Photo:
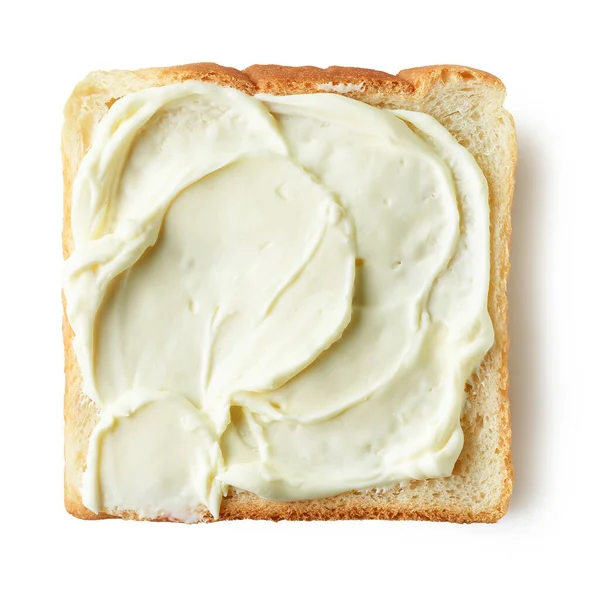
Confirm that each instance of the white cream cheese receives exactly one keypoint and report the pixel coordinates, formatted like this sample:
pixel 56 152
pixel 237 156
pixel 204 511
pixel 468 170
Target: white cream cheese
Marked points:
pixel 221 324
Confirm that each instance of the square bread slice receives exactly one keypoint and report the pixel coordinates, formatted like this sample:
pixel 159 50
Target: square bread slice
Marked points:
pixel 468 103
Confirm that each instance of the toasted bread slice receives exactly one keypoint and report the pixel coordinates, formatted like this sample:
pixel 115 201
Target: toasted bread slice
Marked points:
pixel 468 103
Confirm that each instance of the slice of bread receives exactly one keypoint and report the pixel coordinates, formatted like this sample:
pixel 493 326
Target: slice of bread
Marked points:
pixel 468 103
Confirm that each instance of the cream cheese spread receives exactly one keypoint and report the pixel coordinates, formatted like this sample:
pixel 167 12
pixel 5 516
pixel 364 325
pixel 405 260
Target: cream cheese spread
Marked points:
pixel 284 295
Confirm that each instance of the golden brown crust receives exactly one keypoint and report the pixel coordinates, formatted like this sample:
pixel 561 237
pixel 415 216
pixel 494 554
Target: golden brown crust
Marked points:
pixel 207 72
pixel 409 88
pixel 424 78
pixel 274 79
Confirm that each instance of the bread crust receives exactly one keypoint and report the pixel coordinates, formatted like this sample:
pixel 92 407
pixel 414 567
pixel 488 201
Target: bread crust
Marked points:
pixel 415 88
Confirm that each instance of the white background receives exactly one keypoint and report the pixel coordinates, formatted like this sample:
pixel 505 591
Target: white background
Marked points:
pixel 547 55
